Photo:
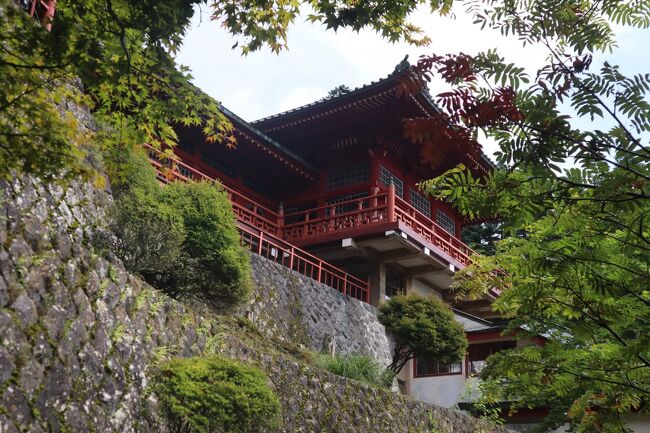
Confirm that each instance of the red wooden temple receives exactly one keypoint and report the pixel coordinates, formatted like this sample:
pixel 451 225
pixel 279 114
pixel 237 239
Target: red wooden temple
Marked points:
pixel 42 10
pixel 330 189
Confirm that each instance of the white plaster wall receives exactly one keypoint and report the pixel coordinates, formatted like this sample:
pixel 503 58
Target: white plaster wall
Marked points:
pixel 639 423
pixel 445 391
pixel 420 288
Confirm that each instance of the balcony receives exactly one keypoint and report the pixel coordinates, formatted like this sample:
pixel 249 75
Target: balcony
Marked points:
pixel 280 237
pixel 380 211
pixel 260 229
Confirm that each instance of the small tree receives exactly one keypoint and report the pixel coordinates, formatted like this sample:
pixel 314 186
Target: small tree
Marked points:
pixel 422 327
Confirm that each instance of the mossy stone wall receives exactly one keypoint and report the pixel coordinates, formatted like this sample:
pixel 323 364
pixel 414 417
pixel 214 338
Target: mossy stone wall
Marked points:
pixel 80 337
pixel 292 307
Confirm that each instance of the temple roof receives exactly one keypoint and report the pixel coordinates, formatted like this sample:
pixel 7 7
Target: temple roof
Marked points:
pixel 375 88
pixel 296 128
pixel 272 147
pixel 268 145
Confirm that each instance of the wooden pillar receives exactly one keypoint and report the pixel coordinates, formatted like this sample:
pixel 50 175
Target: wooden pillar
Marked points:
pixel 377 280
pixel 390 213
pixel 280 221
pixel 48 15
pixel 374 190
pixel 408 285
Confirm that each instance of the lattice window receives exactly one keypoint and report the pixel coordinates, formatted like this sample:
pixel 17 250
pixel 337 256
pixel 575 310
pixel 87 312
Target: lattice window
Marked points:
pixel 348 207
pixel 216 163
pixel 184 171
pixel 421 204
pixel 446 222
pixel 348 176
pixel 385 176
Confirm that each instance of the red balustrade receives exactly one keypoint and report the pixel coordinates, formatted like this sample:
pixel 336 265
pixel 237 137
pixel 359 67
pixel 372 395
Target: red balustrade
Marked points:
pixel 432 232
pixel 258 227
pixel 284 253
pixel 326 219
pixel 377 208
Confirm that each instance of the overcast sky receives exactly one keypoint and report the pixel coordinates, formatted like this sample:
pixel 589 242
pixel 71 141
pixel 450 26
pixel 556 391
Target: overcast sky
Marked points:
pixel 264 83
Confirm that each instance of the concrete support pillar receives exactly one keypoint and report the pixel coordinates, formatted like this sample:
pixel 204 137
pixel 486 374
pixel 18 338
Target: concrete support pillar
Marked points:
pixel 377 280
pixel 408 284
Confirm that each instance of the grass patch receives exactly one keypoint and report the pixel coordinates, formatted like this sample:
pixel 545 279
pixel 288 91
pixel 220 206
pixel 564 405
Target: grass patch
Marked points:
pixel 358 367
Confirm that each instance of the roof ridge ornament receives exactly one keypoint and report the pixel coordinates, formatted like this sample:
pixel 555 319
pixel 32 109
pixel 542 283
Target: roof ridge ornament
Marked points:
pixel 402 66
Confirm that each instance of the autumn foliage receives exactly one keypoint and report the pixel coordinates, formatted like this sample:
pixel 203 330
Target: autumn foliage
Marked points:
pixel 463 108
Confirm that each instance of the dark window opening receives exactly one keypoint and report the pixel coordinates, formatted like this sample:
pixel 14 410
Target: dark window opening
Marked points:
pixel 346 207
pixel 258 187
pixel 426 366
pixel 219 165
pixel 478 353
pixel 186 146
pixel 291 219
pixel 394 283
pixel 184 171
pixel 348 176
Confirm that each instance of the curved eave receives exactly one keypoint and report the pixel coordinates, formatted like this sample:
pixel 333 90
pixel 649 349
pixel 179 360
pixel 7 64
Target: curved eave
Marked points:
pixel 270 146
pixel 320 108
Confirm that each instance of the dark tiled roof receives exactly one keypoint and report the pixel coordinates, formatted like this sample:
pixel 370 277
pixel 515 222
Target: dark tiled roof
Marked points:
pixel 260 135
pixel 349 95
pixel 401 69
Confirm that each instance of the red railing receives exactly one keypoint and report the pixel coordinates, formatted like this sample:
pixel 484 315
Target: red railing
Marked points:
pixel 301 261
pixel 336 217
pixel 43 10
pixel 258 227
pixel 432 232
pixel 376 208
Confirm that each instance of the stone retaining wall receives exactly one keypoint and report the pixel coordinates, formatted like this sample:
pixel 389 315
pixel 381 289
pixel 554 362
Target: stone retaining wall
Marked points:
pixel 292 307
pixel 80 337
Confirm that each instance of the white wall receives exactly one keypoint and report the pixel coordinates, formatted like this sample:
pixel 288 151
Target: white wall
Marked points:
pixel 443 391
pixel 422 289
pixel 639 423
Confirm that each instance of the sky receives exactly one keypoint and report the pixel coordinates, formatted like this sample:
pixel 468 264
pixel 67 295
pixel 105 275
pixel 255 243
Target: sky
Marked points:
pixel 264 83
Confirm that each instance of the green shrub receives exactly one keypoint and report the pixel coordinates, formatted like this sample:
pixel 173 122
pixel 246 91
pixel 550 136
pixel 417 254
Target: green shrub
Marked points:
pixel 422 327
pixel 147 236
pixel 215 265
pixel 358 367
pixel 211 394
pixel 180 238
pixel 130 172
